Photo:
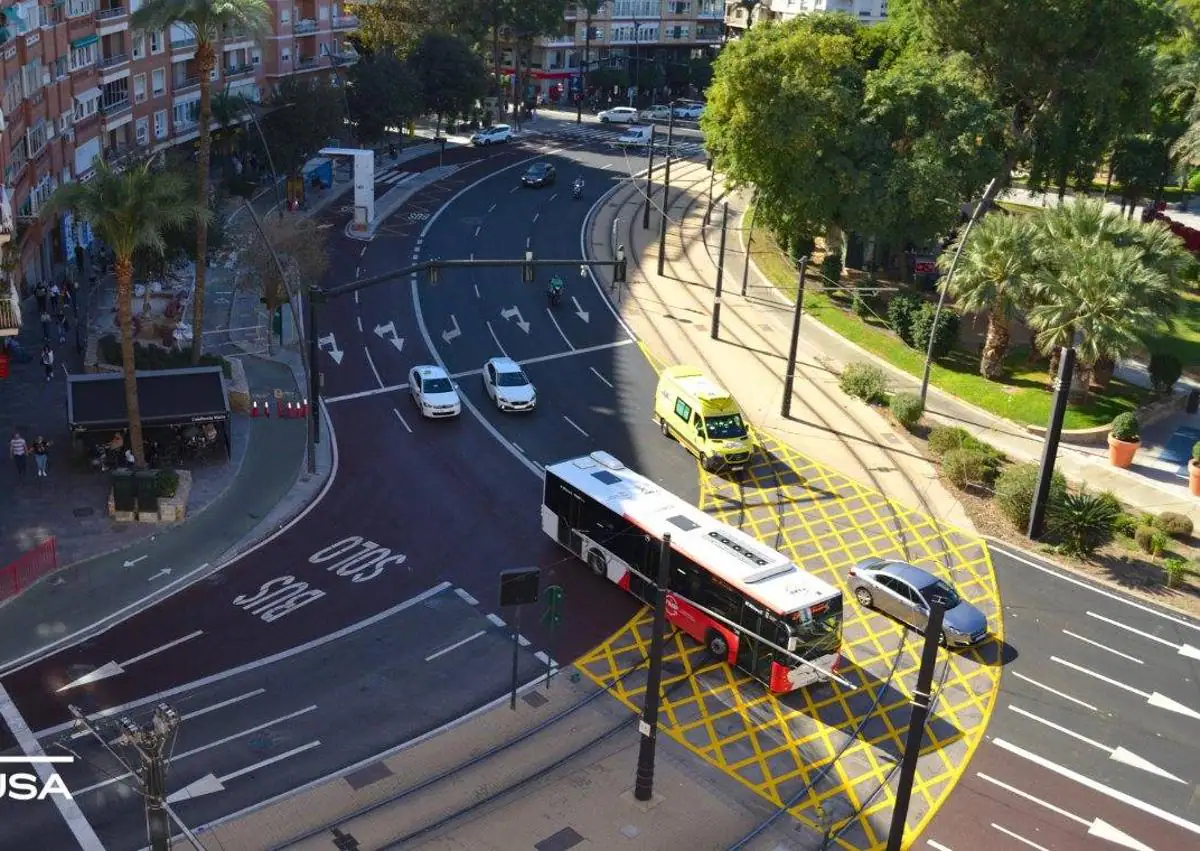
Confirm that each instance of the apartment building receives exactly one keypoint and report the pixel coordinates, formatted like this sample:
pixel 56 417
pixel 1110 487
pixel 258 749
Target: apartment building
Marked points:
pixel 79 84
pixel 627 34
pixel 740 15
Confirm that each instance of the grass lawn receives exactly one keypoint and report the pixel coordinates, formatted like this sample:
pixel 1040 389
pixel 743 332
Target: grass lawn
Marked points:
pixel 1184 343
pixel 1021 396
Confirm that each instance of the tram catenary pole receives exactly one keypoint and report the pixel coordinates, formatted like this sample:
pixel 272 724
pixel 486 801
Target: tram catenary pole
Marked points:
pixel 643 788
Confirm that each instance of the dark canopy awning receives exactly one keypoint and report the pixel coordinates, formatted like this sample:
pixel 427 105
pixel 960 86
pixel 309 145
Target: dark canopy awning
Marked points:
pixel 166 397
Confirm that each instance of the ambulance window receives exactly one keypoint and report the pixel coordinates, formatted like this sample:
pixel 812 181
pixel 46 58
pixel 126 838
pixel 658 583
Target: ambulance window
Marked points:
pixel 698 424
pixel 682 410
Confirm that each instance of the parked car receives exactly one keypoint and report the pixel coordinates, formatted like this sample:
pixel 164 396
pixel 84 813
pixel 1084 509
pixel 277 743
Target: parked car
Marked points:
pixel 493 135
pixel 538 175
pixel 688 110
pixel 905 592
pixel 619 115
pixel 658 112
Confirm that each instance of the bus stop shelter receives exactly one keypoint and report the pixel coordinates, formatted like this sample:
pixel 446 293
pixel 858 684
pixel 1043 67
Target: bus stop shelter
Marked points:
pixel 167 398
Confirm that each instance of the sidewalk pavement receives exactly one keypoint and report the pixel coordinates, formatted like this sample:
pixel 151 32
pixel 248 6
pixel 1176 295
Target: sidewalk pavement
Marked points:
pixel 585 802
pixel 671 314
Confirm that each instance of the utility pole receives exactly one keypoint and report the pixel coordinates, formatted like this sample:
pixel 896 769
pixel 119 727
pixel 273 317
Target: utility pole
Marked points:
pixel 749 242
pixel 1058 410
pixel 587 61
pixel 649 178
pixel 921 700
pixel 643 787
pixel 716 320
pixel 789 380
pixel 662 221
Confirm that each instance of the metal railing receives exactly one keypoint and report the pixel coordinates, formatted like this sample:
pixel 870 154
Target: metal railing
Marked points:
pixel 184 85
pixel 114 109
pixel 238 70
pixel 304 27
pixel 306 62
pixel 28 568
pixel 183 43
pixel 112 61
pixel 345 22
pixel 111 12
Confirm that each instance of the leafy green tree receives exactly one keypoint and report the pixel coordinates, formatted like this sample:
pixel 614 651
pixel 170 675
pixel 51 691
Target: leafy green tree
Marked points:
pixel 451 75
pixel 298 120
pixel 207 20
pixel 399 25
pixel 129 210
pixel 300 244
pixel 994 276
pixel 383 92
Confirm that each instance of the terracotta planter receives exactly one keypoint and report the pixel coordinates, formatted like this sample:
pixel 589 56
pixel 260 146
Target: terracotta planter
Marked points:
pixel 1194 478
pixel 1121 452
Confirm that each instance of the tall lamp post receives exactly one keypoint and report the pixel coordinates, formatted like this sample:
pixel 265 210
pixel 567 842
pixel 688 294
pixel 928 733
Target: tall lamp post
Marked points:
pixel 591 7
pixel 637 65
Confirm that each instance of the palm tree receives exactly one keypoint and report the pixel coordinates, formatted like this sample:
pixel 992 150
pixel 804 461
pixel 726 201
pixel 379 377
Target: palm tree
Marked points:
pixel 229 111
pixel 1103 283
pixel 207 20
pixel 993 277
pixel 129 210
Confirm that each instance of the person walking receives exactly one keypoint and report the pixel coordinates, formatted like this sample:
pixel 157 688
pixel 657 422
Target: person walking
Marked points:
pixel 18 449
pixel 45 326
pixel 40 293
pixel 55 295
pixel 48 361
pixel 41 455
pixel 64 327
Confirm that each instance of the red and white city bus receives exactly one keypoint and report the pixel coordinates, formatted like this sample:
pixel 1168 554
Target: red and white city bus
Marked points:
pixel 748 603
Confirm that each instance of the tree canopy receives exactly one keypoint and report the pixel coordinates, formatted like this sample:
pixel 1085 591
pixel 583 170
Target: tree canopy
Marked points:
pixel 451 75
pixel 382 92
pixel 298 120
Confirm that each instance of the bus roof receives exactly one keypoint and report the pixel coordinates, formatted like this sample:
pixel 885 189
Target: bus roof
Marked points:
pixel 756 570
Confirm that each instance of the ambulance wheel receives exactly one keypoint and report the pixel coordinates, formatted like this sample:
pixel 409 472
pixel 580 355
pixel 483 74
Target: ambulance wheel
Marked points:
pixel 665 429
pixel 709 463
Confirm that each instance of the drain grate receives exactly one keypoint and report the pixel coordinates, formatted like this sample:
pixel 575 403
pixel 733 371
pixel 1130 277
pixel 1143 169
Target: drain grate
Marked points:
pixel 562 841
pixel 535 699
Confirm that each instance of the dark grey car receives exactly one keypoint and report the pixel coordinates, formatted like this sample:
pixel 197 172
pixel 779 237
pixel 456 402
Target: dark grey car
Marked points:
pixel 903 591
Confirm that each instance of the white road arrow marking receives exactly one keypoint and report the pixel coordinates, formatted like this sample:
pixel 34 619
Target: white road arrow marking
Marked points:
pixel 1117 754
pixel 510 312
pixel 132 561
pixel 328 344
pixel 1096 827
pixel 210 783
pixel 1161 701
pixel 579 311
pixel 447 336
pixel 1185 650
pixel 111 669
pixel 388 332
pixel 166 571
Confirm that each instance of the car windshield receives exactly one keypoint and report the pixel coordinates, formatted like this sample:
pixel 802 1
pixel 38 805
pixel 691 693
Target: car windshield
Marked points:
pixel 538 168
pixel 438 385
pixel 511 379
pixel 726 427
pixel 941 588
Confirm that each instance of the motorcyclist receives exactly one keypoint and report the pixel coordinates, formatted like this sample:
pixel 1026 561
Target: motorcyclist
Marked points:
pixel 555 289
pixel 577 187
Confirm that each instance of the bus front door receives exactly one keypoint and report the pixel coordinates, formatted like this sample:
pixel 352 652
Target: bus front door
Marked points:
pixel 753 656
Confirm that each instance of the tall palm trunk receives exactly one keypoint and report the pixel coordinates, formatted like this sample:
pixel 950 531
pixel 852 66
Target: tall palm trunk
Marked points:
pixel 1102 372
pixel 205 60
pixel 133 412
pixel 1055 359
pixel 1081 382
pixel 995 345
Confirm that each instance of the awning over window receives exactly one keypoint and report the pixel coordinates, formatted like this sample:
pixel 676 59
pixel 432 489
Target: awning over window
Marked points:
pixel 85 41
pixel 89 94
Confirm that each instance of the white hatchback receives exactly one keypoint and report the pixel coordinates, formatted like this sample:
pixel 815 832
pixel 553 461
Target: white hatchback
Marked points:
pixel 493 135
pixel 433 392
pixel 507 385
pixel 619 115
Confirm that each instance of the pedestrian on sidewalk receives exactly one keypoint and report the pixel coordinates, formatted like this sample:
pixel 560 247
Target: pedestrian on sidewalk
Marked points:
pixel 45 326
pixel 48 361
pixel 55 299
pixel 63 328
pixel 41 455
pixel 17 448
pixel 40 293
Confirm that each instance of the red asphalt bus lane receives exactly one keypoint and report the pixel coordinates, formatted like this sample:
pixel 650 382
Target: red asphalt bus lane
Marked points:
pixel 405 513
pixel 1060 818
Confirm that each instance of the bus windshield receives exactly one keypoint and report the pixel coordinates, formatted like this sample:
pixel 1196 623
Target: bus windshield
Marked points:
pixel 725 427
pixel 820 633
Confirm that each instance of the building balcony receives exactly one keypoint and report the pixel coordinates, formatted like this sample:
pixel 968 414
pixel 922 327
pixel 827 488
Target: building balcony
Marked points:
pixel 186 126
pixel 10 307
pixel 345 22
pixel 184 43
pixel 116 109
pixel 112 13
pixel 238 70
pixel 306 63
pixel 560 40
pixel 708 34
pixel 185 84
pixel 108 63
pixel 708 11
pixel 305 27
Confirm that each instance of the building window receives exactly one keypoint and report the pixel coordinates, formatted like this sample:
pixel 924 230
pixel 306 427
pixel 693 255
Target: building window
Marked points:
pixel 139 46
pixel 142 131
pixel 158 81
pixel 64 122
pixel 156 42
pixel 184 115
pixel 255 56
pixel 83 57
pixel 86 108
pixel 139 88
pixel 285 15
pixel 36 138
pixel 160 124
pixel 285 55
pixel 79 8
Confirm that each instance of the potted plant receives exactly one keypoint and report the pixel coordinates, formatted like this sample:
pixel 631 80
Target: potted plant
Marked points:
pixel 1194 470
pixel 1123 440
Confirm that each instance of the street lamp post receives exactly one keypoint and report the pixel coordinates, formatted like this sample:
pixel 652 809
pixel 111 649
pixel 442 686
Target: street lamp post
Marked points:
pixel 637 65
pixel 266 150
pixel 587 61
pixel 643 788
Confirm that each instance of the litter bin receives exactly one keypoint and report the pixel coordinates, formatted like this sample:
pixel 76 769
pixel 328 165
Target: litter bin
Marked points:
pixel 146 482
pixel 1193 402
pixel 124 490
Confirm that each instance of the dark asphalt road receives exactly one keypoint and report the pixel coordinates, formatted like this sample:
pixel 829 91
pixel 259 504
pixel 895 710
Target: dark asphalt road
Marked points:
pixel 1050 708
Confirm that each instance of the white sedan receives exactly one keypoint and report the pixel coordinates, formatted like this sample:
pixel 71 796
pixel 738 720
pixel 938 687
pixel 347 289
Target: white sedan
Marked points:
pixel 507 385
pixel 619 115
pixel 433 392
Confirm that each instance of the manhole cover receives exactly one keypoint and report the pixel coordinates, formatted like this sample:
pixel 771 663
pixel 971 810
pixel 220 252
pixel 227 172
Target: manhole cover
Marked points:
pixel 83 512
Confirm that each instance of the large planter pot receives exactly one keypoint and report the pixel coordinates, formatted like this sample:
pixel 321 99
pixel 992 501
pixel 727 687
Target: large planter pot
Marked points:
pixel 1194 478
pixel 1121 452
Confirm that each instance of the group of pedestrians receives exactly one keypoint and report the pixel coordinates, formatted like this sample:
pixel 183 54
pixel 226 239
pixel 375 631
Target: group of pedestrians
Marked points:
pixel 53 303
pixel 20 450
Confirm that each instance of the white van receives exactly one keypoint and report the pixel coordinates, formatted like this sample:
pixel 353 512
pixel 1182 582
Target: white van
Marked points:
pixel 635 137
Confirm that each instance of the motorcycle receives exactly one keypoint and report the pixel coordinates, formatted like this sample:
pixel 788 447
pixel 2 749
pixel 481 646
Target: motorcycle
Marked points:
pixel 577 190
pixel 555 291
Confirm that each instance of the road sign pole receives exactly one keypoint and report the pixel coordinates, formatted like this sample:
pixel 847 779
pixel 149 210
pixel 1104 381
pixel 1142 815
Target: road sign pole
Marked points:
pixel 1058 410
pixel 789 379
pixel 649 179
pixel 516 657
pixel 716 319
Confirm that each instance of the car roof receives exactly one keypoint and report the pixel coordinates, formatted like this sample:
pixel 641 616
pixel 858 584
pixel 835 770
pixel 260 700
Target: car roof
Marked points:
pixel 911 574
pixel 504 364
pixel 500 127
pixel 622 109
pixel 430 371
pixel 540 165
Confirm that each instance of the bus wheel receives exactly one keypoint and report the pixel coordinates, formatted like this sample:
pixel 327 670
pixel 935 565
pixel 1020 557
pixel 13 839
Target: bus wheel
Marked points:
pixel 597 563
pixel 717 645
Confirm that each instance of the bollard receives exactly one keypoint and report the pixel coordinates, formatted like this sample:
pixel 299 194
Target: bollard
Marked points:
pixel 254 411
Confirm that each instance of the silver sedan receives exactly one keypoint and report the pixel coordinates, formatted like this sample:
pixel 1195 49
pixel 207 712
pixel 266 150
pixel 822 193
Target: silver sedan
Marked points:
pixel 905 592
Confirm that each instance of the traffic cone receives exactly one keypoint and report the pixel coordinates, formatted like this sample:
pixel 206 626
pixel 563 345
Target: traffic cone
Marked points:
pixel 304 408
pixel 279 407
pixel 254 411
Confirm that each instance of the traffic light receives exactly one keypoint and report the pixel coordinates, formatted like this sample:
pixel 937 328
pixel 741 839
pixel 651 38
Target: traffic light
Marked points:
pixel 527 268
pixel 435 272
pixel 620 267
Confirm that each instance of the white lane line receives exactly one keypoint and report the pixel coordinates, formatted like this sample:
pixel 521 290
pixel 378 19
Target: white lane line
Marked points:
pixel 496 619
pixel 1033 799
pixel 206 747
pixel 558 328
pixel 158 650
pixel 477 229
pixel 407 427
pixel 555 195
pixel 455 645
pixel 1156 699
pixel 1103 593
pixel 523 641
pixel 514 189
pixel 358 271
pixel 1104 647
pixel 535 217
pixel 1029 842
pixel 491 208
pixel 1096 786
pixel 356 296
pixel 224 703
pixel 496 339
pixel 361 253
pixel 358 319
pixel 80 827
pixel 476 286
pixel 596 373
pixel 277 758
pixel 362 394
pixel 1182 649
pixel 367 352
pixel 466 598
pixel 937 846
pixel 1054 691
pixel 37 760
pixel 575 426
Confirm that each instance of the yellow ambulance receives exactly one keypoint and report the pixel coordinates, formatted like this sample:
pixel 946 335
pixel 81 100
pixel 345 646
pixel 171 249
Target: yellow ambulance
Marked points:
pixel 696 411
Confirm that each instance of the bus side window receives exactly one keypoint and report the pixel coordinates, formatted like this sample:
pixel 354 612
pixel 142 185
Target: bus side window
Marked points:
pixel 686 579
pixel 560 499
pixel 722 599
